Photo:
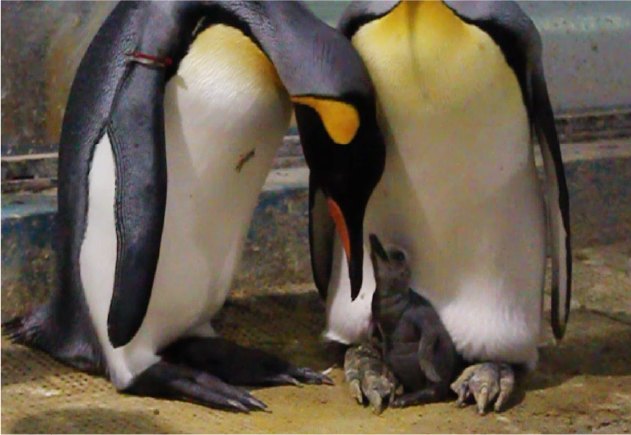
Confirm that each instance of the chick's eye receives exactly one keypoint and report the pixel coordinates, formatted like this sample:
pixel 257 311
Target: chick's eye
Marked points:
pixel 398 256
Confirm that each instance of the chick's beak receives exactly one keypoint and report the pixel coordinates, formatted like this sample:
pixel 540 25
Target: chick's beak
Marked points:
pixel 377 248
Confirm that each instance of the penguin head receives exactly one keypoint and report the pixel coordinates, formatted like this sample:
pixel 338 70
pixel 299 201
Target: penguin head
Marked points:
pixel 391 267
pixel 336 113
pixel 335 107
pixel 345 152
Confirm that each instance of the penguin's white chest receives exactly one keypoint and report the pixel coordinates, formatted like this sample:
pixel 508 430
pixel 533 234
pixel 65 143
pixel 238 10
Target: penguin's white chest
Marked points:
pixel 225 116
pixel 460 191
pixel 225 113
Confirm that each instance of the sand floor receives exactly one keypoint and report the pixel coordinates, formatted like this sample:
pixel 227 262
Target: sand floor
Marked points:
pixel 582 385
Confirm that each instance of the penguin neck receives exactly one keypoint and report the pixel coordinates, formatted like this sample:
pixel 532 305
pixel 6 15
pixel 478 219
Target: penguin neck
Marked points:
pixel 307 53
pixel 423 56
pixel 389 309
pixel 232 45
pixel 441 27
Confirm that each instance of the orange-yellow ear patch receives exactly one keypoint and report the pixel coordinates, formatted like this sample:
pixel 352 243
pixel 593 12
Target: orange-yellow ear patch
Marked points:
pixel 341 120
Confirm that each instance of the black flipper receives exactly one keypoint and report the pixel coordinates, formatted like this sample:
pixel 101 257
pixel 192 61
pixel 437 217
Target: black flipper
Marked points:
pixel 321 237
pixel 141 182
pixel 426 357
pixel 520 42
pixel 437 353
pixel 558 202
pixel 118 91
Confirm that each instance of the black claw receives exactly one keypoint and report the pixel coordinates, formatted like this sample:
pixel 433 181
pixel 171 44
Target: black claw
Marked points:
pixel 326 380
pixel 309 376
pixel 257 404
pixel 486 383
pixel 397 404
pixel 165 379
pixel 236 406
pixel 282 379
pixel 370 377
pixel 233 393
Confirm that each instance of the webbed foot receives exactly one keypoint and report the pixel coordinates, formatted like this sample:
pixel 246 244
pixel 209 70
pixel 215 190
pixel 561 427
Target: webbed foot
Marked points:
pixel 174 381
pixel 207 370
pixel 240 365
pixel 485 382
pixel 369 377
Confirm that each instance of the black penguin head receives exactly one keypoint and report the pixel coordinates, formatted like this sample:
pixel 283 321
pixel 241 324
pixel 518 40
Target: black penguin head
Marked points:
pixel 392 269
pixel 335 108
pixel 345 152
pixel 341 140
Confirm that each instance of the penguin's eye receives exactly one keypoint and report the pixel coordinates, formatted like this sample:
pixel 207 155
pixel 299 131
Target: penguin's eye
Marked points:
pixel 398 256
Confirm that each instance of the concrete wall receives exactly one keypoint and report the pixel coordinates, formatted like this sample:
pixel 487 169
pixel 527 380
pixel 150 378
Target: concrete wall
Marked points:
pixel 587 59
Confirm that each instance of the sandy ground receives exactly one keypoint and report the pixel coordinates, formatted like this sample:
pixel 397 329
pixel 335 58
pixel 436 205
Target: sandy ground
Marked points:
pixel 582 385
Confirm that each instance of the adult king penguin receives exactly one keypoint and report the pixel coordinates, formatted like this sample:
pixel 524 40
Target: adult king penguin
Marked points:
pixel 201 92
pixel 461 92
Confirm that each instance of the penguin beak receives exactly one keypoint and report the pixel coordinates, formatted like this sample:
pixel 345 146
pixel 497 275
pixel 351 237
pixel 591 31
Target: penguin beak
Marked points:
pixel 379 258
pixel 350 232
pixel 345 152
pixel 377 248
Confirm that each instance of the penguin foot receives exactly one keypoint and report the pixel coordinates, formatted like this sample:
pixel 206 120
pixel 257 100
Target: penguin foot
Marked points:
pixel 369 377
pixel 485 382
pixel 239 365
pixel 165 379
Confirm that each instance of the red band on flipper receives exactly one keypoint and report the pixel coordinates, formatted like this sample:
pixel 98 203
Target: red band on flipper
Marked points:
pixel 149 60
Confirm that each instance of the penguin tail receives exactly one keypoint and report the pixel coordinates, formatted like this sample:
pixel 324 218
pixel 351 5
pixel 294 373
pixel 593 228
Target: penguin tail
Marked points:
pixel 38 330
pixel 27 329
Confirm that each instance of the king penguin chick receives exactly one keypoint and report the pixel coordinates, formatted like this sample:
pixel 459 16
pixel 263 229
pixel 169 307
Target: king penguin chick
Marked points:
pixel 201 92
pixel 462 97
pixel 411 339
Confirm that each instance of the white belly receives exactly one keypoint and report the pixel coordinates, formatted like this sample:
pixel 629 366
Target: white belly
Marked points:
pixel 459 193
pixel 209 202
pixel 218 109
pixel 468 210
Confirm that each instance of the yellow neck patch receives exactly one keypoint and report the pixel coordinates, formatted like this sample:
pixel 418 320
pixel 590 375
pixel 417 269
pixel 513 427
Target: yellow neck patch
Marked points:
pixel 232 47
pixel 340 120
pixel 423 58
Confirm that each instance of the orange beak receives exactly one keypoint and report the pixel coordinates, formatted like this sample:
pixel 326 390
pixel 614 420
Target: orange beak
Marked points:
pixel 352 243
pixel 342 229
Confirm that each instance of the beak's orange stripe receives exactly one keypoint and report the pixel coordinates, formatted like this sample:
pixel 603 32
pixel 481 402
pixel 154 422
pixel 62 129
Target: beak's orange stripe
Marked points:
pixel 342 229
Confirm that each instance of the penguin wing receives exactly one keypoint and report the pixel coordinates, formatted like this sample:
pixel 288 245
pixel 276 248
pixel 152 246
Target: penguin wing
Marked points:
pixel 321 237
pixel 120 94
pixel 520 42
pixel 136 130
pixel 558 203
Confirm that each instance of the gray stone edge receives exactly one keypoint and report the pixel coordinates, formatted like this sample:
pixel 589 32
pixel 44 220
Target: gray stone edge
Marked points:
pixel 277 252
